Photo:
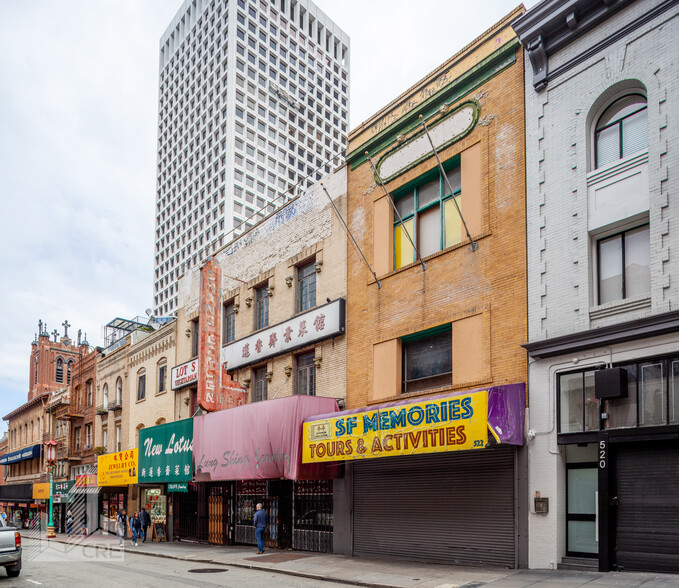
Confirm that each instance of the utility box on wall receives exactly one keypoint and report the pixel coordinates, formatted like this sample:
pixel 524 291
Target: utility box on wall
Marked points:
pixel 610 383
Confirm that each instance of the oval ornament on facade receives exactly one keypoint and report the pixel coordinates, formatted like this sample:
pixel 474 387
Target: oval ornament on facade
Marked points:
pixel 445 132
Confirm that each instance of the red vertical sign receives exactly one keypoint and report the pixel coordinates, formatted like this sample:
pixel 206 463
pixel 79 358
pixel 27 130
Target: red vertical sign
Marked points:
pixel 209 337
pixel 214 391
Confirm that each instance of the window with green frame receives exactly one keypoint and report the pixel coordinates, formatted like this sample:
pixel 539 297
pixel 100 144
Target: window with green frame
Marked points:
pixel 429 214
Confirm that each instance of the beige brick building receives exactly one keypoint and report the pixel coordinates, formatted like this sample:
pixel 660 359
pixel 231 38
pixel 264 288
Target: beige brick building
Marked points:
pixel 151 401
pixel 291 263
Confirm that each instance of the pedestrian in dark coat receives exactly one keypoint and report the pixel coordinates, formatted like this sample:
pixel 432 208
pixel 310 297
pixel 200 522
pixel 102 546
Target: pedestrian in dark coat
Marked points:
pixel 145 522
pixel 260 522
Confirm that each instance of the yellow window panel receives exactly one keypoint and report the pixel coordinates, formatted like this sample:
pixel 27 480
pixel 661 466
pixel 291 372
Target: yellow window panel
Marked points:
pixel 403 250
pixel 453 222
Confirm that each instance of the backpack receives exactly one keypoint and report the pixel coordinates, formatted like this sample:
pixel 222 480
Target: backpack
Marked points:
pixel 122 519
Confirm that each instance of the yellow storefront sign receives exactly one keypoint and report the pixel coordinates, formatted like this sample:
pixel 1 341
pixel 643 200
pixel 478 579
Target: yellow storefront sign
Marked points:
pixel 118 469
pixel 444 424
pixel 41 490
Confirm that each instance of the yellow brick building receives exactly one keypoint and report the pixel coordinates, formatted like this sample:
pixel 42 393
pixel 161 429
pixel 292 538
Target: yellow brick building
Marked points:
pixel 444 314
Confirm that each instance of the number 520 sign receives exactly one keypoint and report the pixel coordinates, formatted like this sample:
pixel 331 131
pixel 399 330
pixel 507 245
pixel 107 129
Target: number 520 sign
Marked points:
pixel 603 454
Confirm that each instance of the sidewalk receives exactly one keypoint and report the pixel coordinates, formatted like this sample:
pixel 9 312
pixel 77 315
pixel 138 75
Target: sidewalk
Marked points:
pixel 377 572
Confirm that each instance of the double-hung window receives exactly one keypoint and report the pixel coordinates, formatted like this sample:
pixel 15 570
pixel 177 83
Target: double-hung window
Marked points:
pixel 162 377
pixel 195 338
pixel 305 377
pixel 261 307
pixel 624 265
pixel 427 359
pixel 261 385
pixel 429 215
pixel 229 328
pixel 306 286
pixel 141 385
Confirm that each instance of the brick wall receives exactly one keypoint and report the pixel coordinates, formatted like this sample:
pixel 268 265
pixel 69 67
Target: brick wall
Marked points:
pixel 457 282
pixel 561 262
pixel 306 228
pixel 149 354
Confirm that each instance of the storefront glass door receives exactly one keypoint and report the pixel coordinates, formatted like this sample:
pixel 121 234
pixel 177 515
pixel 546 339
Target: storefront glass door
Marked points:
pixel 581 517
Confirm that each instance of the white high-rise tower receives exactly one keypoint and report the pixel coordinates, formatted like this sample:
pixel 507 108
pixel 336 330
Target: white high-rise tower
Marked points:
pixel 253 105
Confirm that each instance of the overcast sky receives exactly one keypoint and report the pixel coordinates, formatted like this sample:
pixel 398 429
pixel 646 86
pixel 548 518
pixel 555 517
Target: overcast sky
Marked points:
pixel 78 114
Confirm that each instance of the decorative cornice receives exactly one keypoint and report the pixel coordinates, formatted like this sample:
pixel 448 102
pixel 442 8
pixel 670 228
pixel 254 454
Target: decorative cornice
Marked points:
pixel 451 93
pixel 554 24
pixel 30 404
pixel 651 326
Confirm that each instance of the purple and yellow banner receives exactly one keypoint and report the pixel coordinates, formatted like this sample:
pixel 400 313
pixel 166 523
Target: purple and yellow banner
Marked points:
pixel 443 424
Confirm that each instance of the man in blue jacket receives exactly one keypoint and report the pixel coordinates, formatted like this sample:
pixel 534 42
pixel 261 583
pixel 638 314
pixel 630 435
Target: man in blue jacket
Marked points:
pixel 260 522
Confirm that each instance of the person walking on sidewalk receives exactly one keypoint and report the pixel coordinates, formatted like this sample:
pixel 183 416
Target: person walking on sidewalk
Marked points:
pixel 83 523
pixel 261 520
pixel 135 526
pixel 145 522
pixel 121 525
pixel 69 523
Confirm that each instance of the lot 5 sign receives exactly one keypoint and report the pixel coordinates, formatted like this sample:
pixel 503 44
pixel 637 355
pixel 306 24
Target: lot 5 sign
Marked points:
pixel 443 424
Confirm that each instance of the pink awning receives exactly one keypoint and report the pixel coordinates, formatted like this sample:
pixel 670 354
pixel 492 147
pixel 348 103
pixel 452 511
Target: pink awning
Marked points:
pixel 258 441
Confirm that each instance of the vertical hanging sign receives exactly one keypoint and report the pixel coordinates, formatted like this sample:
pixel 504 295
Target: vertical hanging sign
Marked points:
pixel 209 332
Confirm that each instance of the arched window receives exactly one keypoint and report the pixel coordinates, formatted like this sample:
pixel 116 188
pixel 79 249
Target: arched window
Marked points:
pixel 119 390
pixel 90 392
pixel 162 375
pixel 60 370
pixel 68 372
pixel 622 129
pixel 141 384
pixel 105 395
pixel 139 428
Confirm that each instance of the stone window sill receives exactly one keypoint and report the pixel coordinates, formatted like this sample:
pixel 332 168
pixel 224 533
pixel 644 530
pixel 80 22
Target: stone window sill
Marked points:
pixel 619 307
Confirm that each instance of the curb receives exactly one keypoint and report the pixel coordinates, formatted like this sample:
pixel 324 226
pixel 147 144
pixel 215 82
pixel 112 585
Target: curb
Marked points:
pixel 260 568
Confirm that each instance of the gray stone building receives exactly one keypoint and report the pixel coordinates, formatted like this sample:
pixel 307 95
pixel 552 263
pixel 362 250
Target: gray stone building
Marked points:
pixel 602 94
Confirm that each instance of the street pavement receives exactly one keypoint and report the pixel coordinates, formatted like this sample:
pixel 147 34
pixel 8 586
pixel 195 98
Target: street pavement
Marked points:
pixel 293 566
pixel 57 567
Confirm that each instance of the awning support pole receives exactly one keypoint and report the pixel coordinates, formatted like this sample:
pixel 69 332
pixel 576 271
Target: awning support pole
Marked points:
pixel 379 284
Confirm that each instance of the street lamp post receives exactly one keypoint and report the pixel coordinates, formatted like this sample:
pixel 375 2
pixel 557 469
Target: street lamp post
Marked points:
pixel 51 458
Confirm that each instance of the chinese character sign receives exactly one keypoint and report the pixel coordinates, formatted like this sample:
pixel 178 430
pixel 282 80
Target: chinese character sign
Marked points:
pixel 320 323
pixel 118 469
pixel 166 452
